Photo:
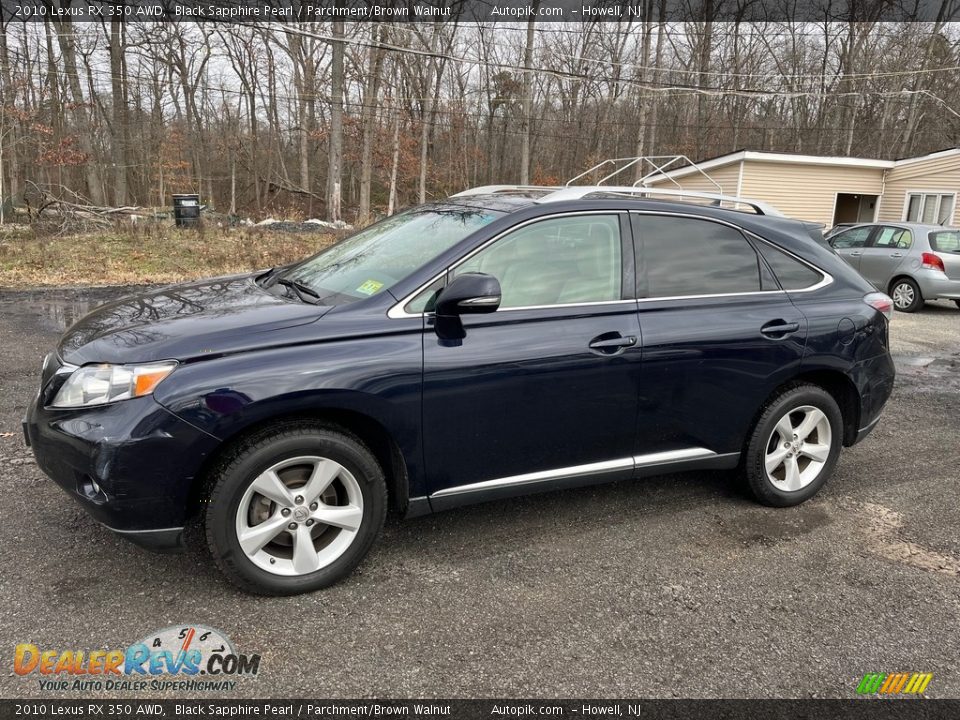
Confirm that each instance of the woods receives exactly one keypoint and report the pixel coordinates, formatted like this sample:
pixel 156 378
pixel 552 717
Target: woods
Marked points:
pixel 353 120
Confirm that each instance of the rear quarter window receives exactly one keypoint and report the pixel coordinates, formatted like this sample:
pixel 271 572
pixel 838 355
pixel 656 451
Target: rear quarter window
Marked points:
pixel 792 274
pixel 945 241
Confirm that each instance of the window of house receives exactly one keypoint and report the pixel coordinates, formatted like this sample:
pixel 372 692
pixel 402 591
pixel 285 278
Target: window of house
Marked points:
pixel 930 208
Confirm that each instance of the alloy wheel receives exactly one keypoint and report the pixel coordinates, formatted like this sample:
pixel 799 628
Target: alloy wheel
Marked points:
pixel 299 515
pixel 903 295
pixel 798 448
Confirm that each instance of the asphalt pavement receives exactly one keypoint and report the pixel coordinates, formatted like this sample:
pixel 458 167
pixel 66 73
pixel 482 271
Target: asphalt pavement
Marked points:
pixel 676 586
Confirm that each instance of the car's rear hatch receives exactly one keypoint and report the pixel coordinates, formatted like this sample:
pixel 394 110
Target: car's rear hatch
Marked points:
pixel 946 245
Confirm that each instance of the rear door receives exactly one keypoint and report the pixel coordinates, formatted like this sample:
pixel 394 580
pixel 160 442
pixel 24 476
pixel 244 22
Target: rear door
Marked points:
pixel 886 251
pixel 718 336
pixel 850 244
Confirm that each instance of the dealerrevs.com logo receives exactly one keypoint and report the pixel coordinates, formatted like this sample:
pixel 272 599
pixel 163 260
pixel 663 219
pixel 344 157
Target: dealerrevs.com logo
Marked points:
pixel 894 683
pixel 179 657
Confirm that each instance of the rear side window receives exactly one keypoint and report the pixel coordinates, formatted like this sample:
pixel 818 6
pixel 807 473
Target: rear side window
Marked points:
pixel 945 241
pixel 855 238
pixel 792 274
pixel 892 237
pixel 686 256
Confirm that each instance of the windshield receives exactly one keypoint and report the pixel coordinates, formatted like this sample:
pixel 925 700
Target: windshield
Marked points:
pixel 379 256
pixel 945 241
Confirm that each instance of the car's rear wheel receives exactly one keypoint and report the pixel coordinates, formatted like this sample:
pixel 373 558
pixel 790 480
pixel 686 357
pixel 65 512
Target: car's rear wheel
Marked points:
pixel 794 446
pixel 294 509
pixel 906 295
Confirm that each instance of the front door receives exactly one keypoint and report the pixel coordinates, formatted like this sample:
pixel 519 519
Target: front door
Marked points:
pixel 849 244
pixel 719 335
pixel 542 392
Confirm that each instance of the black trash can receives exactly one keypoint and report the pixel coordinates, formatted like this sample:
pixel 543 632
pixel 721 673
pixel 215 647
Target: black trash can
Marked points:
pixel 186 210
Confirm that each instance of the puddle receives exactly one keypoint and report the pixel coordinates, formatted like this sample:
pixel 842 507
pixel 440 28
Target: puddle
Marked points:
pixel 770 527
pixel 56 310
pixel 59 314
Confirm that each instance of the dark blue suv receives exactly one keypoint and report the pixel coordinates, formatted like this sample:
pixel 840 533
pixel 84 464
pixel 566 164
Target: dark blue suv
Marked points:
pixel 504 341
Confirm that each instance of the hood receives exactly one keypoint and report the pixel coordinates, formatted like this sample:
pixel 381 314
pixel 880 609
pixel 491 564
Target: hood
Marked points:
pixel 179 322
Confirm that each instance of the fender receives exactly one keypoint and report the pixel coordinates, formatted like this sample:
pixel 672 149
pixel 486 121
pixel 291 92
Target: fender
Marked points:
pixel 376 377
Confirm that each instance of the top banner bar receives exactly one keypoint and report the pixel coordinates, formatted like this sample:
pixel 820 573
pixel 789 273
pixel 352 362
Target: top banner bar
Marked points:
pixel 425 11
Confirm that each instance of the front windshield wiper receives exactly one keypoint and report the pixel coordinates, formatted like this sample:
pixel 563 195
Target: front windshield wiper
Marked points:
pixel 306 293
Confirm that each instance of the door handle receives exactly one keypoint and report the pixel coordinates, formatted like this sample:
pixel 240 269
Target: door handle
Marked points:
pixel 896 254
pixel 779 328
pixel 612 344
pixel 856 254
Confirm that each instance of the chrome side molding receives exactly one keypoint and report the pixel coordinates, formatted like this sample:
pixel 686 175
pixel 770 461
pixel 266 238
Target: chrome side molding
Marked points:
pixel 658 459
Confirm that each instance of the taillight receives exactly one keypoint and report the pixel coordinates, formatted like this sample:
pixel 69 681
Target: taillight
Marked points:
pixel 880 301
pixel 930 261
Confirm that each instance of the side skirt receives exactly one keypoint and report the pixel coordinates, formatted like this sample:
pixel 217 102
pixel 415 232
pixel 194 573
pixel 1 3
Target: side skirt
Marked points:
pixel 579 476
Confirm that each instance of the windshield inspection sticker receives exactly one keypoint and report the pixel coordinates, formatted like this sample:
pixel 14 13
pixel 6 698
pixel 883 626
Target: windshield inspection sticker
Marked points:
pixel 370 287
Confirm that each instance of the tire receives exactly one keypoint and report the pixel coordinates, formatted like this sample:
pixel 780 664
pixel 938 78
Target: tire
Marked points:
pixel 957 303
pixel 274 479
pixel 906 295
pixel 805 466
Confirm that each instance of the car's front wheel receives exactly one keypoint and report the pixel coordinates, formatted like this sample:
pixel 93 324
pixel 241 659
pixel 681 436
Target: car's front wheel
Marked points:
pixel 294 508
pixel 906 295
pixel 794 446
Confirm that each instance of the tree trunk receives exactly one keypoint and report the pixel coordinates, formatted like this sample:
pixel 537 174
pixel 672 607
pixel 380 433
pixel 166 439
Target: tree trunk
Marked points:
pixel 334 168
pixel 84 131
pixel 368 117
pixel 527 98
pixel 118 141
pixel 392 203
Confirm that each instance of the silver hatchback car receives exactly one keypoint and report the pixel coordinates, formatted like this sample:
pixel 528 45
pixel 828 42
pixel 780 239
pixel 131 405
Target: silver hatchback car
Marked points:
pixel 910 262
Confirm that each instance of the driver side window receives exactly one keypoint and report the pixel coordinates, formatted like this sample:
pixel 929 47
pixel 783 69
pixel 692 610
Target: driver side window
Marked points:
pixel 568 260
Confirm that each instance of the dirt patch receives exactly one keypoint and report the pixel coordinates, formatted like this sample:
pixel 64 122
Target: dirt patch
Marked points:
pixel 884 532
pixel 147 255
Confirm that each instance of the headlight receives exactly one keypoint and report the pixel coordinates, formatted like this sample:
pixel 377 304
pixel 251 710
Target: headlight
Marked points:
pixel 102 384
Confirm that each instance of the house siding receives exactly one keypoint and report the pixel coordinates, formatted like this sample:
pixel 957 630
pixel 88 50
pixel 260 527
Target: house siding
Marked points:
pixel 936 174
pixel 807 192
pixel 727 177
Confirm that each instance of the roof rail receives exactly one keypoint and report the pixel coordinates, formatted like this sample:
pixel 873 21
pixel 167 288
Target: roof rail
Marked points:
pixel 577 192
pixel 494 189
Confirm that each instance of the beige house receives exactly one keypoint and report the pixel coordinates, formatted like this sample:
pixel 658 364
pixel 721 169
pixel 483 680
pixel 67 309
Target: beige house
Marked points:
pixel 833 190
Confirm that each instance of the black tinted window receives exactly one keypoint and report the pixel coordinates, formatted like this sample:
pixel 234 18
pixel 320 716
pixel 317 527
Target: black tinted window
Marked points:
pixel 792 274
pixel 683 256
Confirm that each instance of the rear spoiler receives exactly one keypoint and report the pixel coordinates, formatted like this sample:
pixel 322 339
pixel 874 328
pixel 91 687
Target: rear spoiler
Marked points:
pixel 815 231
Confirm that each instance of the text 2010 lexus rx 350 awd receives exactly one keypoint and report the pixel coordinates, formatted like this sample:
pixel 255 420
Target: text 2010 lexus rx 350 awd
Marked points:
pixel 493 344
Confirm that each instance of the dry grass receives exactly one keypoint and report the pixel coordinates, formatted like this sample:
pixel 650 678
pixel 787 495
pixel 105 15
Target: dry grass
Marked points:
pixel 147 254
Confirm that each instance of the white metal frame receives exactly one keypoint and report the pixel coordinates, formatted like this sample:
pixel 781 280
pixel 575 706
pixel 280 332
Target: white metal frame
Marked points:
pixel 578 192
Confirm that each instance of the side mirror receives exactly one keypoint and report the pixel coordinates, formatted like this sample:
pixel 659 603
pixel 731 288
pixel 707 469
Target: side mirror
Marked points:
pixel 469 293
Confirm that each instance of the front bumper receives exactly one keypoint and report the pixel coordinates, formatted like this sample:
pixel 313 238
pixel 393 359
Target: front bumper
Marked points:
pixel 131 464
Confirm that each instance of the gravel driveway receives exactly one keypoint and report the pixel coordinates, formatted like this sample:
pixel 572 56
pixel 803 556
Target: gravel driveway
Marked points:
pixel 671 586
